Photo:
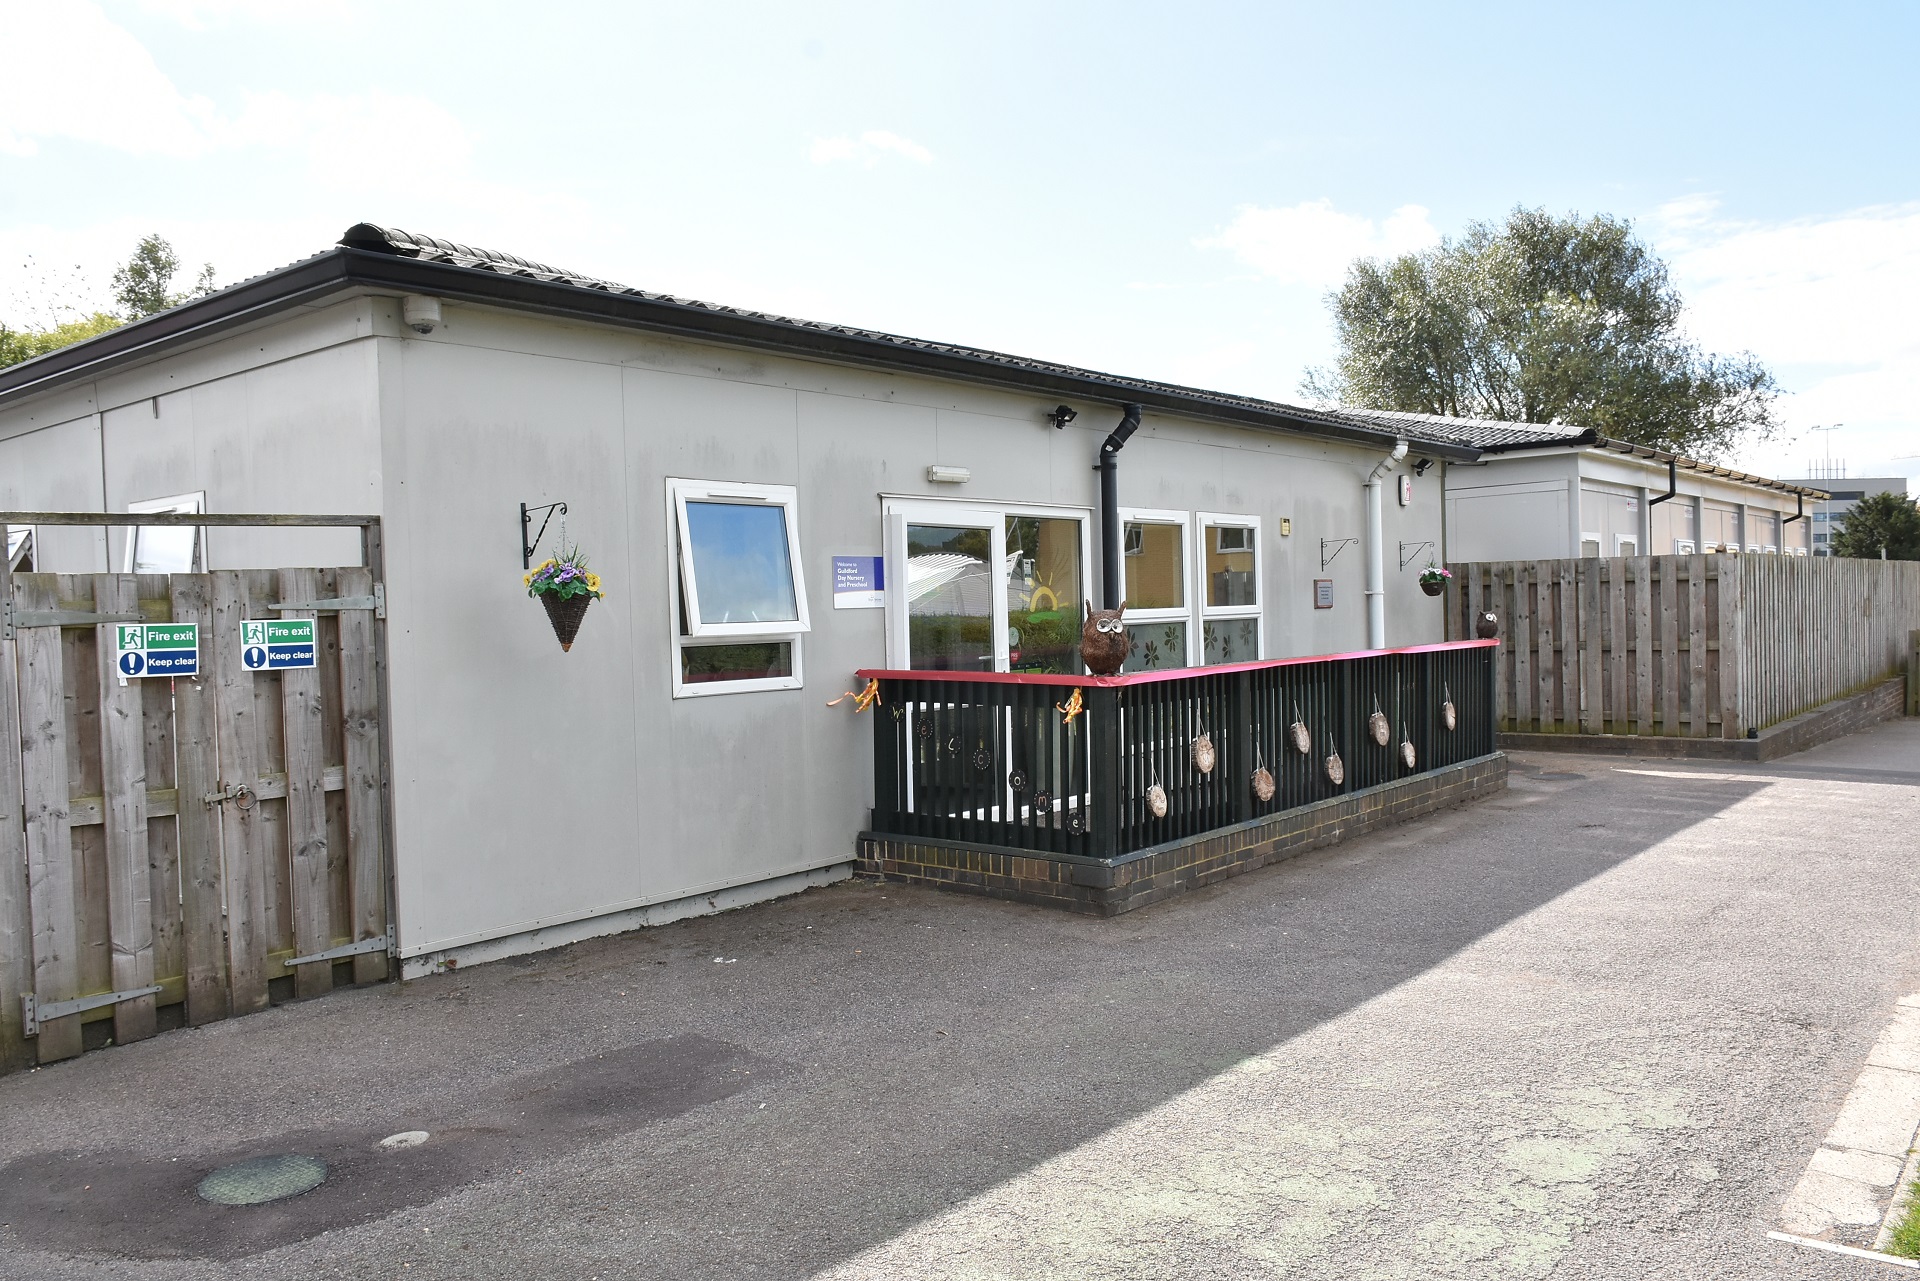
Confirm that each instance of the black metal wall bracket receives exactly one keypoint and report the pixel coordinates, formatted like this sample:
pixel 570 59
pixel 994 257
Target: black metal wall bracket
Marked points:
pixel 1405 559
pixel 528 545
pixel 1339 545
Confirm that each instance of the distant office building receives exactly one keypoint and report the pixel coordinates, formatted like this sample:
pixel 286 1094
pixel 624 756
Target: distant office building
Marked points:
pixel 1845 491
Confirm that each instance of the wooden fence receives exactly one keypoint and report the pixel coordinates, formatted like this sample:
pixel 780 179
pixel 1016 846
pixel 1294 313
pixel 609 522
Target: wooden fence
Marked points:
pixel 1701 646
pixel 185 838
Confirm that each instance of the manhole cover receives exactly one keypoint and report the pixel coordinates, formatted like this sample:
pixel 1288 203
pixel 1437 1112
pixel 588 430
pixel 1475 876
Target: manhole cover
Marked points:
pixel 263 1179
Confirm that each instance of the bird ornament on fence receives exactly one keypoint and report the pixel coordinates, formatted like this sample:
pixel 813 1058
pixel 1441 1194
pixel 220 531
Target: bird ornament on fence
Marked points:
pixel 863 700
pixel 1103 640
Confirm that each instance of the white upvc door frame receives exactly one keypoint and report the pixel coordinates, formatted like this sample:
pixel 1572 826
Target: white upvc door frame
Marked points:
pixel 898 513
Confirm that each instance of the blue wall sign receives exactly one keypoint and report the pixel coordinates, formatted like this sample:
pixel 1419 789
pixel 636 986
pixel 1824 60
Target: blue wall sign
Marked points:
pixel 859 582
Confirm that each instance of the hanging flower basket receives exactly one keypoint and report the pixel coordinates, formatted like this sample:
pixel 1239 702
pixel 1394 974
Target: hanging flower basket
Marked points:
pixel 565 587
pixel 1433 579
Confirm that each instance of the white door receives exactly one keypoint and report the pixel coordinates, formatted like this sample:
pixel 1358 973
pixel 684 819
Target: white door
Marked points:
pixel 985 589
pixel 945 609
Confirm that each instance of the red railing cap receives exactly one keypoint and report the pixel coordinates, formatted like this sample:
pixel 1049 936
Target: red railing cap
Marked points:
pixel 1148 678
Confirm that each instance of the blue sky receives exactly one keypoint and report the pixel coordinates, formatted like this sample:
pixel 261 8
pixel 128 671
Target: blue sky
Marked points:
pixel 1162 190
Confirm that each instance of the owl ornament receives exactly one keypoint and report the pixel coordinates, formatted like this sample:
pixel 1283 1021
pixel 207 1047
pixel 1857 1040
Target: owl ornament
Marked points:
pixel 1103 640
pixel 1487 626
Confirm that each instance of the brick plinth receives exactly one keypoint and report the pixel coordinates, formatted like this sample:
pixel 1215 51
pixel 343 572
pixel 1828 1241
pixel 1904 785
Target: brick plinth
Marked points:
pixel 1108 887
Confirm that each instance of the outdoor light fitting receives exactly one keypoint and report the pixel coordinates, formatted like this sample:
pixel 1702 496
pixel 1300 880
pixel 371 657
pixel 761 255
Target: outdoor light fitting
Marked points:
pixel 1062 415
pixel 1420 468
pixel 949 475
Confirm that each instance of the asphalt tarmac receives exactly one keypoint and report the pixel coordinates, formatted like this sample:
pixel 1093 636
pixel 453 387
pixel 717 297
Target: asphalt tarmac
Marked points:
pixel 1593 1028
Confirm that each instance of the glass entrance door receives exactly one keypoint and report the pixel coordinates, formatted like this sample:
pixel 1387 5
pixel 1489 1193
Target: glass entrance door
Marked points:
pixel 1046 594
pixel 942 578
pixel 973 589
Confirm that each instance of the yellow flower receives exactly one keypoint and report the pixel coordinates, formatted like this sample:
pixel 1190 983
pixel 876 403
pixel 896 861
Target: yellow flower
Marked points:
pixel 527 581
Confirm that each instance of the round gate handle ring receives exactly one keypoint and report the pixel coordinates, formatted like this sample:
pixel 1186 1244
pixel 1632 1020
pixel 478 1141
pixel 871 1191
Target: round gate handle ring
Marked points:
pixel 244 799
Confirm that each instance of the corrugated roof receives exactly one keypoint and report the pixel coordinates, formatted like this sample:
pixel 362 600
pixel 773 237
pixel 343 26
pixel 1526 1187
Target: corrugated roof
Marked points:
pixel 1493 436
pixel 368 236
pixel 1481 433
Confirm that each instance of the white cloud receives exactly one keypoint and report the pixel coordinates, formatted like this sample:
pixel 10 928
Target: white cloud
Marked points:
pixel 1312 243
pixel 1826 302
pixel 869 149
pixel 68 71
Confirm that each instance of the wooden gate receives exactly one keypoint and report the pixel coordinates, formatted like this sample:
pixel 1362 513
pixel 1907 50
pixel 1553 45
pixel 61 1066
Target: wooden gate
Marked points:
pixel 175 851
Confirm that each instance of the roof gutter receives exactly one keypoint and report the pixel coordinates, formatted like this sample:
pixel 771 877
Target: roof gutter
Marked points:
pixel 344 268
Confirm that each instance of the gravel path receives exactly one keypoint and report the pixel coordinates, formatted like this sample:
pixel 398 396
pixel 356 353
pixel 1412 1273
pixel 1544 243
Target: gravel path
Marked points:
pixel 1594 1028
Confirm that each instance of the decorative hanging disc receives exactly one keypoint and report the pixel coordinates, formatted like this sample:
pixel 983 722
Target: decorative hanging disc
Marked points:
pixel 1302 740
pixel 925 729
pixel 1406 752
pixel 1203 754
pixel 1378 727
pixel 1043 804
pixel 1262 785
pixel 1017 780
pixel 1448 716
pixel 1157 800
pixel 982 759
pixel 1076 822
pixel 1336 772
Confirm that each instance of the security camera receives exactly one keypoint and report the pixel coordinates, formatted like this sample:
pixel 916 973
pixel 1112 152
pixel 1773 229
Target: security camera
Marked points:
pixel 421 313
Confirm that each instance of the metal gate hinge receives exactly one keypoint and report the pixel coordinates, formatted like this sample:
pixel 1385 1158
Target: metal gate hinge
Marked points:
pixel 376 602
pixel 34 1012
pixel 380 943
pixel 17 618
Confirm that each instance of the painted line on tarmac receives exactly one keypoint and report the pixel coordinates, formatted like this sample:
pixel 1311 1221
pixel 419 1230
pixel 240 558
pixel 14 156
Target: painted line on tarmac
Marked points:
pixel 1852 1251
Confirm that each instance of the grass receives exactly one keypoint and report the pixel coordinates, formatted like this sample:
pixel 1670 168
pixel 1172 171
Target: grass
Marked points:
pixel 1905 1240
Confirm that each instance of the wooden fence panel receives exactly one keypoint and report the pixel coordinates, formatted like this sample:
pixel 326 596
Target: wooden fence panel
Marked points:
pixel 123 807
pixel 203 881
pixel 364 776
pixel 309 887
pixel 192 835
pixel 1699 646
pixel 49 839
pixel 16 921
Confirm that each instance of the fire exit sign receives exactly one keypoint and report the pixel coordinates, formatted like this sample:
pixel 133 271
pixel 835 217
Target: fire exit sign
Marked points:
pixel 276 644
pixel 156 649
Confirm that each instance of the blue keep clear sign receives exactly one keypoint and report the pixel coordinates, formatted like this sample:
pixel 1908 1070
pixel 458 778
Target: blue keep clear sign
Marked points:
pixel 859 582
pixel 276 644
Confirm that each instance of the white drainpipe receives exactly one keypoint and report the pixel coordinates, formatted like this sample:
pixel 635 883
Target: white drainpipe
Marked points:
pixel 1377 550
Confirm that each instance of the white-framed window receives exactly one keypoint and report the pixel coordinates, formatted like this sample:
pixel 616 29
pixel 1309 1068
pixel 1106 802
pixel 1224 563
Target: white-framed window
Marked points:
pixel 1771 550
pixel 1590 544
pixel 1226 582
pixel 178 549
pixel 1156 569
pixel 1626 545
pixel 1683 547
pixel 739 601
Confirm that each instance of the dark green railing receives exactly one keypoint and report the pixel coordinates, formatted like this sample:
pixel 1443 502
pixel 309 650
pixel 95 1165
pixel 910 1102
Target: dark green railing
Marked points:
pixel 996 759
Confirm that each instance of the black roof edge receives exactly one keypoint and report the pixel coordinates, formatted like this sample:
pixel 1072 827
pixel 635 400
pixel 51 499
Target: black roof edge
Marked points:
pixel 1592 437
pixel 350 266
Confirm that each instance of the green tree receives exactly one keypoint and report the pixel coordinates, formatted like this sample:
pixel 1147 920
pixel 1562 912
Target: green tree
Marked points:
pixel 17 345
pixel 1545 320
pixel 141 283
pixel 1880 522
